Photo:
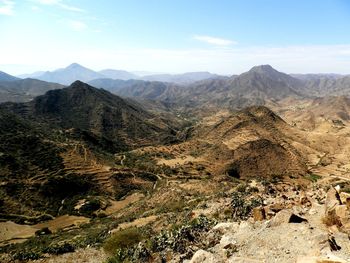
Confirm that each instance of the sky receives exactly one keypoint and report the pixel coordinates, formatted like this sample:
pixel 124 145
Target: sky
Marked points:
pixel 220 36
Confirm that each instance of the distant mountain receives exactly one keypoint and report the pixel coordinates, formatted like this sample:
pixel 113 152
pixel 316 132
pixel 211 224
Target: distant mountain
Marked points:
pixel 143 73
pixel 153 90
pixel 7 77
pixel 70 74
pixel 118 74
pixel 31 75
pixel 259 86
pixel 308 77
pixel 266 83
pixel 324 84
pixel 22 90
pixel 186 78
pixel 114 85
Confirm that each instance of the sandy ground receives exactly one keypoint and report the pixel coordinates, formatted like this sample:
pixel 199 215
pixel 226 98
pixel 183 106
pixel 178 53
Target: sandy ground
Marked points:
pixel 11 232
pixel 118 205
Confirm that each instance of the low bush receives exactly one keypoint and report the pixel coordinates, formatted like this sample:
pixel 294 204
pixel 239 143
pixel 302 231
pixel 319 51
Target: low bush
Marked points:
pixel 123 239
pixel 58 249
pixel 313 177
pixel 331 219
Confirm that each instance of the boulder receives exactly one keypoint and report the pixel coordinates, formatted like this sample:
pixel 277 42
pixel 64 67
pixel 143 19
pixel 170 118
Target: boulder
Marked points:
pixel 285 216
pixel 202 256
pixel 227 240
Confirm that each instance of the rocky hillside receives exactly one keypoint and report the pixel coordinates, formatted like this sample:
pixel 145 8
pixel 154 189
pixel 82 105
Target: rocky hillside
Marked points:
pixel 22 90
pixel 6 77
pixel 99 112
pixel 259 86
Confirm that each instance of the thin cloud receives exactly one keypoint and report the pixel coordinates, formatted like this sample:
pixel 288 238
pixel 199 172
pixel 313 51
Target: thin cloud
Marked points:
pixel 77 25
pixel 289 59
pixel 60 4
pixel 214 40
pixel 6 7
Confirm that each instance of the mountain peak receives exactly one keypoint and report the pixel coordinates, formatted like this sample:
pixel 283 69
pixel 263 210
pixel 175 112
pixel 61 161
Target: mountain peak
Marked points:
pixel 74 65
pixel 263 69
pixel 77 84
pixel 7 77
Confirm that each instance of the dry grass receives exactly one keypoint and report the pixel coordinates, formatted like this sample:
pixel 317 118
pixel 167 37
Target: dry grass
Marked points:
pixel 331 219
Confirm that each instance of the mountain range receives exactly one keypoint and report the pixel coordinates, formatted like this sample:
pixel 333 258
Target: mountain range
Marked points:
pixel 261 85
pixel 66 76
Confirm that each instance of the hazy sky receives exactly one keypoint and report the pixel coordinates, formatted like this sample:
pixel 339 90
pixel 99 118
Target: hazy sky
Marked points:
pixel 220 36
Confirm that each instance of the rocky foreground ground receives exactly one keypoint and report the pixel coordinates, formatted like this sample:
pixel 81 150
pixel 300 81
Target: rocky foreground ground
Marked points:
pixel 304 227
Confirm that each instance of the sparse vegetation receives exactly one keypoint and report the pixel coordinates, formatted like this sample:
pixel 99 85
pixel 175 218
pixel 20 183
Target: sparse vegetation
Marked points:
pixel 242 202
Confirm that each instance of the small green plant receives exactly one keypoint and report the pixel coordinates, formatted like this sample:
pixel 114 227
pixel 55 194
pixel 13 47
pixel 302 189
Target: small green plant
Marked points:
pixel 242 205
pixel 26 255
pixel 123 239
pixel 313 177
pixel 172 206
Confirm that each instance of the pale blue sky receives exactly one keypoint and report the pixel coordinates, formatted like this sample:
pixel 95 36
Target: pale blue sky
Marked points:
pixel 222 36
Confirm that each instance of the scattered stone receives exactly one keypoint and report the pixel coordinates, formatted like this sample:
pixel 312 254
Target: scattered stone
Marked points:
pixel 222 228
pixel 345 199
pixel 333 244
pixel 296 219
pixel 243 260
pixel 328 259
pixel 227 240
pixel 43 231
pixel 259 214
pixel 331 199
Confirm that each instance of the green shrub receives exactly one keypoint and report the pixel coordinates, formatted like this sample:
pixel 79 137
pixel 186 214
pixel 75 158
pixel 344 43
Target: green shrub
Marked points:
pixel 242 205
pixel 89 207
pixel 58 249
pixel 123 239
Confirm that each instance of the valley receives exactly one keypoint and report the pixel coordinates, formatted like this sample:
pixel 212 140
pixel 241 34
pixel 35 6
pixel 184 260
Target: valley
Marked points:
pixel 217 170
